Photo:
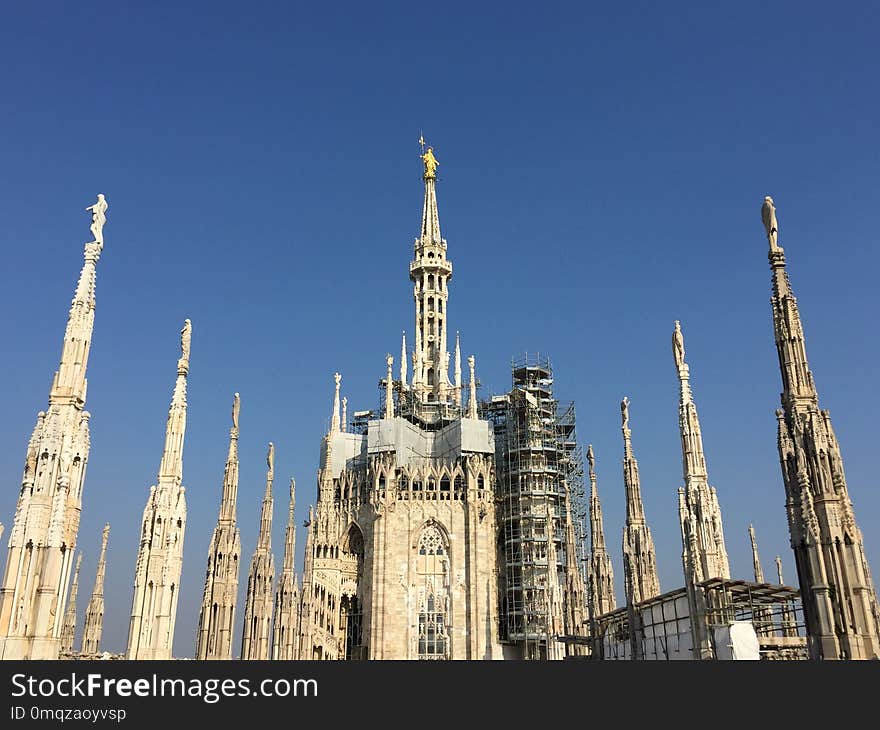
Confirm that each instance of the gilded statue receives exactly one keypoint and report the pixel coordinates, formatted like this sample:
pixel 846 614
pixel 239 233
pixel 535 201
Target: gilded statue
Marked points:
pixel 430 162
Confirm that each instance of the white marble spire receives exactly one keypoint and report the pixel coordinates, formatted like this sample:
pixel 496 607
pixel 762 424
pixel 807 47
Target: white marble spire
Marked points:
pixel 457 373
pixel 160 555
pixel 639 557
pixel 284 622
pixel 837 590
pixel 256 633
pixel 334 420
pixel 220 596
pixel 701 500
pixel 67 635
pixel 472 398
pixel 94 622
pixel 42 539
pixel 389 388
pixel 403 362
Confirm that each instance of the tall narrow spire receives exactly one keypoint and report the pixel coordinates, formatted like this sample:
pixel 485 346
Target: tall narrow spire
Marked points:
pixel 220 596
pixel 756 561
pixel 472 398
pixel 403 373
pixel 42 539
pixel 601 576
pixel 457 371
pixel 334 420
pixel 69 631
pixel 160 555
pixel 430 272
pixel 639 557
pixel 840 604
pixel 94 624
pixel 256 636
pixel 389 388
pixel 700 500
pixel 284 623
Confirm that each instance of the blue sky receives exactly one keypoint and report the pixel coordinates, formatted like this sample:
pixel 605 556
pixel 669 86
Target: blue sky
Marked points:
pixel 602 171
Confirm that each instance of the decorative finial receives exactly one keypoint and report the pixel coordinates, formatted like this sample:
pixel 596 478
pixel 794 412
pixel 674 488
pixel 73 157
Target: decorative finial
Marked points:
pixel 624 411
pixel 236 407
pixel 678 345
pixel 779 570
pixel 105 534
pixel 430 163
pixel 185 340
pixel 768 218
pixel 270 458
pixel 99 218
pixel 292 492
pixel 344 423
pixel 590 458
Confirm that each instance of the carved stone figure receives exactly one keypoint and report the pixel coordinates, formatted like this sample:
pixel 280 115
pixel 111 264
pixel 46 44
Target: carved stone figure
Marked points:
pixel 99 218
pixel 624 411
pixel 768 217
pixel 678 345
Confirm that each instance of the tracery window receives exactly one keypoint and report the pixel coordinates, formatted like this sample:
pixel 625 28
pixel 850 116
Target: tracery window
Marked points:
pixel 432 568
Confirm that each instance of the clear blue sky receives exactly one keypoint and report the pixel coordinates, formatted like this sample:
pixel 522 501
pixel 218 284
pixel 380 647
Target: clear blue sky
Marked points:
pixel 602 171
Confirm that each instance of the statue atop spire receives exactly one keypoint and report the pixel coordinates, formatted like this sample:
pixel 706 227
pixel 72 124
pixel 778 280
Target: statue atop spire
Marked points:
pixel 678 345
pixel 99 218
pixel 185 340
pixel 768 218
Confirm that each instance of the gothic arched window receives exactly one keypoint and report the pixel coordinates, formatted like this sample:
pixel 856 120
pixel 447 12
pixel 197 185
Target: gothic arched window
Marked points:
pixel 432 569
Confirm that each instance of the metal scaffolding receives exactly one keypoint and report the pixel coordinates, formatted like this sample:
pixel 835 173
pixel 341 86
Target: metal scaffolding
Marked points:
pixel 540 479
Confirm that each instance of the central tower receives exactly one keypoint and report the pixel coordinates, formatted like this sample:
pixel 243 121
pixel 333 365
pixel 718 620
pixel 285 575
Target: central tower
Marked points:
pixel 401 549
pixel 430 272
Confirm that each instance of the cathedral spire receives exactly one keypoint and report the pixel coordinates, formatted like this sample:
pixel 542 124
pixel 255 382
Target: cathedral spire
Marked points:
pixel 389 388
pixel 403 372
pixel 69 385
pixel 701 525
pixel 284 623
pixel 94 624
pixel 639 557
pixel 160 555
pixel 430 271
pixel 229 497
pixel 265 540
pixel 171 468
pixel 43 535
pixel 472 398
pixel 220 595
pixel 457 371
pixel 840 605
pixel 601 583
pixel 256 637
pixel 334 421
pixel 67 635
pixel 756 561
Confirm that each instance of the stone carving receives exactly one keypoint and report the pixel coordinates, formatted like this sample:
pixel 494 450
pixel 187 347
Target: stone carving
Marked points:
pixel 185 340
pixel 768 217
pixel 99 218
pixel 236 408
pixel 624 411
pixel 678 345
